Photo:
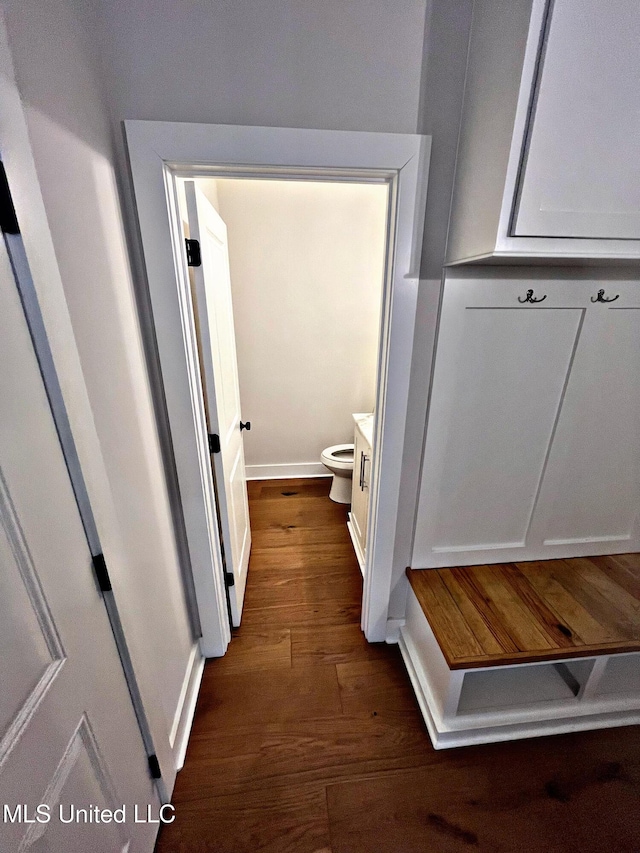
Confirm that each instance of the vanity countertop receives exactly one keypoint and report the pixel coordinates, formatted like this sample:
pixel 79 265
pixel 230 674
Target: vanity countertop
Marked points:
pixel 365 423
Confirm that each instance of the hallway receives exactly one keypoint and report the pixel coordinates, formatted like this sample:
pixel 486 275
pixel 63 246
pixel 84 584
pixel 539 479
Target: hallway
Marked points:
pixel 309 740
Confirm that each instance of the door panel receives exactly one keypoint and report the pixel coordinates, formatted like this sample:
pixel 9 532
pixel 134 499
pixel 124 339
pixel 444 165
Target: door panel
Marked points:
pixel 65 713
pixel 26 629
pixel 239 510
pixel 82 780
pixel 213 304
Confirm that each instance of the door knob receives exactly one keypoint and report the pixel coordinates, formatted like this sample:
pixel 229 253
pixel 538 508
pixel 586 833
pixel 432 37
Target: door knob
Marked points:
pixel 246 426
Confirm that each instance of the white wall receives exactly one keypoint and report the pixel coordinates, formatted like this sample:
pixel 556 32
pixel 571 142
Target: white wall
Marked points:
pixel 352 65
pixel 71 141
pixel 357 65
pixel 307 263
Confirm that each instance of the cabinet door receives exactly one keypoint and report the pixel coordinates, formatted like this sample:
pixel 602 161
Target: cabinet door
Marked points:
pixel 500 373
pixel 360 492
pixel 590 497
pixel 581 169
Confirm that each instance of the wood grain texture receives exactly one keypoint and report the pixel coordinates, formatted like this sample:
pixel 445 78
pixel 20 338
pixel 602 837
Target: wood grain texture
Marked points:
pixel 327 644
pixel 255 755
pixel 309 740
pixel 569 794
pixel 257 649
pixel 269 820
pixel 518 612
pixel 375 686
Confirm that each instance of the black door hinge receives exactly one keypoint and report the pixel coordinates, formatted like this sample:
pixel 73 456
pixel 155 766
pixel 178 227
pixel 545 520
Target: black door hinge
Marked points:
pixel 100 568
pixel 214 443
pixel 8 218
pixel 154 767
pixel 229 579
pixel 194 256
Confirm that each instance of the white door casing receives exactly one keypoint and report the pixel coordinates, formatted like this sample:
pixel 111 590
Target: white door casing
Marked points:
pixel 68 732
pixel 218 363
pixel 162 152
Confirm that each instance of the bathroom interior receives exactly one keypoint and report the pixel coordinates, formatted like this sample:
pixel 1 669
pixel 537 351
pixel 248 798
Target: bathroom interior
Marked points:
pixel 307 263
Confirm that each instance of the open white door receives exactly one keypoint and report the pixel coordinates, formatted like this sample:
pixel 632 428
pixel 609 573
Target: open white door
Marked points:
pixel 68 732
pixel 216 335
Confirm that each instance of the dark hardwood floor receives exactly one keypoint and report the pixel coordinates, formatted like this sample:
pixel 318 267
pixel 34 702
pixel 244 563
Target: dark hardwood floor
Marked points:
pixel 309 740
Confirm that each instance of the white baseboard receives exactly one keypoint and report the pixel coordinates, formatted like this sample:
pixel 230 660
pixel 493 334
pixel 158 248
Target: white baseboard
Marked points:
pixel 183 719
pixel 286 471
pixel 393 630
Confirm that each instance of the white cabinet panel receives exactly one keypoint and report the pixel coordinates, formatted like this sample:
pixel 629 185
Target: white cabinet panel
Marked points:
pixel 358 493
pixel 533 435
pixel 591 491
pixel 500 372
pixel 548 160
pixel 582 171
pixel 357 523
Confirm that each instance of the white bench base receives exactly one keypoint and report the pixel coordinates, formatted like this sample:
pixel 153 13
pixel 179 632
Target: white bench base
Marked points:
pixel 462 707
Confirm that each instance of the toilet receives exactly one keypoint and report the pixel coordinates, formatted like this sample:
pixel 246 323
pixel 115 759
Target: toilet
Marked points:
pixel 339 460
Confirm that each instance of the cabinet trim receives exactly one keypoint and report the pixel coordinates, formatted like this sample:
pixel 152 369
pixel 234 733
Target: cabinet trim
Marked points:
pixel 536 77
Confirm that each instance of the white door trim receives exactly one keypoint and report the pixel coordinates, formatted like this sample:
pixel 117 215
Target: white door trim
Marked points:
pixel 161 151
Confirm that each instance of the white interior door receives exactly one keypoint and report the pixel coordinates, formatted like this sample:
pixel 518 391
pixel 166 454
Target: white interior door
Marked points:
pixel 68 733
pixel 214 321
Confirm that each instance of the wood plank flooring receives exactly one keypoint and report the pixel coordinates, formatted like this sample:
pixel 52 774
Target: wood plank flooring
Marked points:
pixel 520 612
pixel 309 740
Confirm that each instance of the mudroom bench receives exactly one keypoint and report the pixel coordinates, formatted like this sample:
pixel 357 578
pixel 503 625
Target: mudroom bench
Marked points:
pixel 501 652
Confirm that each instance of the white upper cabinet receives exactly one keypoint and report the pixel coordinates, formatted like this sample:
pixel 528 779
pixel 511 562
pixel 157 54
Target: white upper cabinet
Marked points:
pixel 549 152
pixel 581 174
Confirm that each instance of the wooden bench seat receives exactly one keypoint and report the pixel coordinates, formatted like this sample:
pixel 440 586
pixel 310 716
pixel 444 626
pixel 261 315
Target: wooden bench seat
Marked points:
pixel 515 613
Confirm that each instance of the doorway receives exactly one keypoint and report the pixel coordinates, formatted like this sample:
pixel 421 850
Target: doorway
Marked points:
pixel 287 295
pixel 163 153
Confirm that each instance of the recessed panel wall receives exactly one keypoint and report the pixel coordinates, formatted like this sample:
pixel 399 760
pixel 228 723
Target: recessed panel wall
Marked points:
pixel 499 378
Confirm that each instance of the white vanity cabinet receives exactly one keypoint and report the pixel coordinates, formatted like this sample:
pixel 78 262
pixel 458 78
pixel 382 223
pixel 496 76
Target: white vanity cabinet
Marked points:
pixel 548 160
pixel 357 521
pixel 532 447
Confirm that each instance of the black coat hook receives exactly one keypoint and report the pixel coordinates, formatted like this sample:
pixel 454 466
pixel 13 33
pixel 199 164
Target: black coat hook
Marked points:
pixel 602 298
pixel 530 297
